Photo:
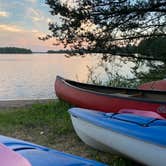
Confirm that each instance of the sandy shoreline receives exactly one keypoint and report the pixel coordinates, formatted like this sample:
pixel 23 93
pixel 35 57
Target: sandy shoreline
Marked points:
pixel 22 103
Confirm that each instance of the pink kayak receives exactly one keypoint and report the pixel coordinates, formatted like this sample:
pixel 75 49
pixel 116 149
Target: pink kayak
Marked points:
pixel 159 85
pixel 10 158
pixel 142 113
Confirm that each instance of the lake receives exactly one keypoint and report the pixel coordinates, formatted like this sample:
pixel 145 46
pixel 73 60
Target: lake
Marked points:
pixel 32 76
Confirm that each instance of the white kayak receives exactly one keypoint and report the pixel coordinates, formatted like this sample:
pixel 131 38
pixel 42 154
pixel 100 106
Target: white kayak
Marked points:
pixel 141 138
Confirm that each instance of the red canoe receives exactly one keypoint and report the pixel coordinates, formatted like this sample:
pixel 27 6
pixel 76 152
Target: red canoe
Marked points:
pixel 154 85
pixel 110 99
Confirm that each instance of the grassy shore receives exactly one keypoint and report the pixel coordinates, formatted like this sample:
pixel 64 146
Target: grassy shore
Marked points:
pixel 50 125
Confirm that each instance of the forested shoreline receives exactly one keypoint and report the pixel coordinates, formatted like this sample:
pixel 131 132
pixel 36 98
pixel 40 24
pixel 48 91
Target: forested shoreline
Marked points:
pixel 149 48
pixel 14 50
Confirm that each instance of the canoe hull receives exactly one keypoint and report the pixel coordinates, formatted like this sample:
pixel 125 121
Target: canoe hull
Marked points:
pixel 106 103
pixel 112 141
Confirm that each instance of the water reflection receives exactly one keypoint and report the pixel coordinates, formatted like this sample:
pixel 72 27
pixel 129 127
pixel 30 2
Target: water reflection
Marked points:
pixel 32 76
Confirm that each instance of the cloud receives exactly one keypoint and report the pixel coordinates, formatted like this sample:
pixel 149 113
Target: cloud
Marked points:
pixel 35 15
pixel 24 23
pixel 38 17
pixel 32 1
pixel 10 28
pixel 4 14
pixel 14 36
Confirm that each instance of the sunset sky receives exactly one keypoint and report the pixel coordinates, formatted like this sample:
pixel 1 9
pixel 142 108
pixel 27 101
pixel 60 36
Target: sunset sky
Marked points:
pixel 22 22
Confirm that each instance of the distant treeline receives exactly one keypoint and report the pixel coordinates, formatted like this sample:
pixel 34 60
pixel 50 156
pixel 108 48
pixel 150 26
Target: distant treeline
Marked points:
pixel 80 51
pixel 153 47
pixel 13 50
pixel 57 51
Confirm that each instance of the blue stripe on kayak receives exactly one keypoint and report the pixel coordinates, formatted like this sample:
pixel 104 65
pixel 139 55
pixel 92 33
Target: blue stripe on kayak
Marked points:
pixel 144 128
pixel 42 156
pixel 140 120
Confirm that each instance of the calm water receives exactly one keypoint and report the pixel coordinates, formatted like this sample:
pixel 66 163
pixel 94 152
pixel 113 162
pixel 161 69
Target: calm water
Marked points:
pixel 32 76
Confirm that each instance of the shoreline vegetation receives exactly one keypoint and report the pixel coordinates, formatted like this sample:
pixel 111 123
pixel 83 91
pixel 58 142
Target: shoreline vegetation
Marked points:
pixel 153 48
pixel 49 124
pixel 14 50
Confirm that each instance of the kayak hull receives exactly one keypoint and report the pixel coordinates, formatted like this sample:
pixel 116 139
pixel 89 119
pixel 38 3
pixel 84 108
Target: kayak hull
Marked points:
pixel 112 139
pixel 38 155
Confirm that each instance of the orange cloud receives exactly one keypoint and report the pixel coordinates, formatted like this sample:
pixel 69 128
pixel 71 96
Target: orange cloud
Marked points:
pixel 10 28
pixel 32 1
pixel 4 14
pixel 18 37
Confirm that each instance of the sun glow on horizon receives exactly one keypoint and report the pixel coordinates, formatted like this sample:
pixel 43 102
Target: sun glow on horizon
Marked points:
pixel 21 23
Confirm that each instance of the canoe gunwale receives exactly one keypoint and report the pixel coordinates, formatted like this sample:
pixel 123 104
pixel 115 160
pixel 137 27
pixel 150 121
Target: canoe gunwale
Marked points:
pixel 68 83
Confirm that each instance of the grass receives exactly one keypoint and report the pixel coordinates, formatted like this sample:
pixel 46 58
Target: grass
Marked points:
pixel 50 125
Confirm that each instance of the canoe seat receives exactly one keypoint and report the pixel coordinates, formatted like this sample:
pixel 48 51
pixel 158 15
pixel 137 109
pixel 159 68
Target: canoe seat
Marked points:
pixel 128 95
pixel 122 95
pixel 137 95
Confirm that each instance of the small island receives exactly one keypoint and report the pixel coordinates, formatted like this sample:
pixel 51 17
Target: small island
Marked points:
pixel 14 50
pixel 80 51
